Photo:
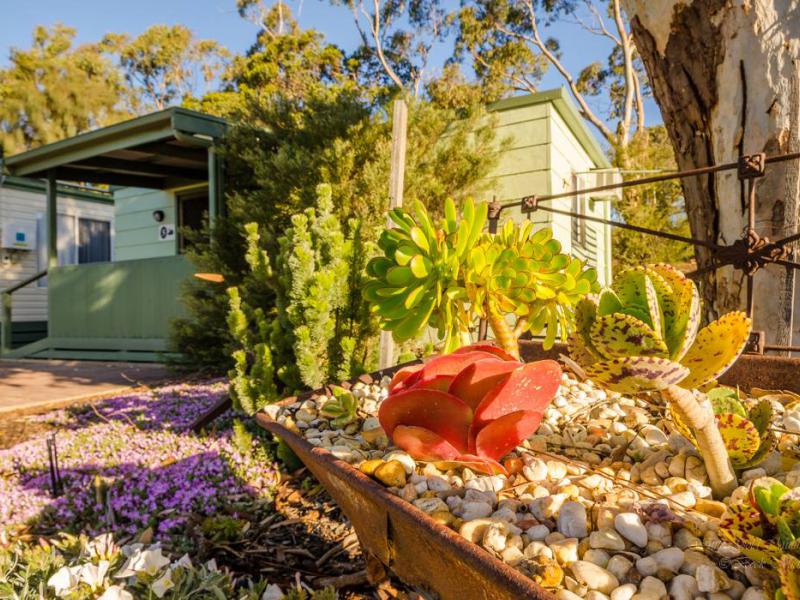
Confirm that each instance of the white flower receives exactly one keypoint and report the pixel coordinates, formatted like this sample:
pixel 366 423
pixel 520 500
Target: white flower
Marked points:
pixel 94 575
pixel 212 566
pixel 116 593
pixel 102 547
pixel 273 592
pixel 163 583
pixel 64 580
pixel 184 561
pixel 143 561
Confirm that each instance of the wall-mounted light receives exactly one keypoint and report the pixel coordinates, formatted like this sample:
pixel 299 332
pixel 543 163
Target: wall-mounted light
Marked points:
pixel 158 216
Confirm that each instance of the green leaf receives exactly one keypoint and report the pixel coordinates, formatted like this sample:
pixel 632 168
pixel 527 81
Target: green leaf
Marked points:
pixel 399 276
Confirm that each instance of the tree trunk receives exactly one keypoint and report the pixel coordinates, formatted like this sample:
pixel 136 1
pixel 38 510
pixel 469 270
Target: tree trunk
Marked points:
pixel 725 75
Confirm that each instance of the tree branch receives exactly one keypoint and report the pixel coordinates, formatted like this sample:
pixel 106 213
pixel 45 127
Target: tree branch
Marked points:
pixel 627 58
pixel 536 40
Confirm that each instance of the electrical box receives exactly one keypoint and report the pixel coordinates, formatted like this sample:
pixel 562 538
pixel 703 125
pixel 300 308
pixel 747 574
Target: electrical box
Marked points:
pixel 19 235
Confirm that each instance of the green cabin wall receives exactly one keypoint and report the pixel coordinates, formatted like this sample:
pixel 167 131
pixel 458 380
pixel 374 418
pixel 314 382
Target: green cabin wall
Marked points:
pixel 544 155
pixel 136 232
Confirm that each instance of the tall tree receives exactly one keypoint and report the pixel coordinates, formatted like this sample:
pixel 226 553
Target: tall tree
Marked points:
pixel 397 39
pixel 166 64
pixel 56 89
pixel 508 46
pixel 727 79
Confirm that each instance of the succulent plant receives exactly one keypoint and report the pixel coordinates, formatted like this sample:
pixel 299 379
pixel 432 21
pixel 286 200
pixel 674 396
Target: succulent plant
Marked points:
pixel 447 276
pixel 766 528
pixel 744 427
pixel 470 407
pixel 522 272
pixel 643 335
pixel 342 408
pixel 417 281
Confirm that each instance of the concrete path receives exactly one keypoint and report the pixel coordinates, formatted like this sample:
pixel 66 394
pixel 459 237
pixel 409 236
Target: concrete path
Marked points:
pixel 28 386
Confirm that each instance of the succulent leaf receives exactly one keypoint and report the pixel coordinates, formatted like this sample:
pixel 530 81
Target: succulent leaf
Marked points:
pixel 680 327
pixel 618 335
pixel 761 416
pixel 716 348
pixel 423 444
pixel 529 388
pixel 439 412
pixel 635 290
pixel 789 574
pixel 740 436
pixel 502 435
pixel 633 374
pixel 474 381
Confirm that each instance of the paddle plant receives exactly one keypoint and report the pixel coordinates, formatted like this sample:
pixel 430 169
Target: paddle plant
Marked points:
pixel 766 527
pixel 643 335
pixel 471 407
pixel 448 276
pixel 744 426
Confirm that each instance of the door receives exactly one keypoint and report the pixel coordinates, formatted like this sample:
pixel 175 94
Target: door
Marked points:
pixel 192 216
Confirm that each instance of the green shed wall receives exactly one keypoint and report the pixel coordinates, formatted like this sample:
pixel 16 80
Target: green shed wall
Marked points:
pixel 136 232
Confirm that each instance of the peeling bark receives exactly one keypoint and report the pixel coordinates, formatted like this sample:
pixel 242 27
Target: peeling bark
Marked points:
pixel 725 76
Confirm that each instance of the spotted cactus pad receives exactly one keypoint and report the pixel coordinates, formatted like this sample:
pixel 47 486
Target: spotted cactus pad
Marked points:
pixel 716 348
pixel 636 374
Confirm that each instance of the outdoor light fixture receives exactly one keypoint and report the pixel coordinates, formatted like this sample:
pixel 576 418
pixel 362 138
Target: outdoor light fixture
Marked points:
pixel 158 216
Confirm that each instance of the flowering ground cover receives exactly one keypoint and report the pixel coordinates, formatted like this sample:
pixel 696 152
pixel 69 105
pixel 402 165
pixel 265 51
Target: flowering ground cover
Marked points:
pixel 130 463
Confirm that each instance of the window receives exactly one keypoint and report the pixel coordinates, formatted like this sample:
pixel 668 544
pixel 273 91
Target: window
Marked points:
pixel 578 223
pixel 80 241
pixel 94 241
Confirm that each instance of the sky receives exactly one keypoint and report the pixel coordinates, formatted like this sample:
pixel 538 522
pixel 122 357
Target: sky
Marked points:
pixel 218 19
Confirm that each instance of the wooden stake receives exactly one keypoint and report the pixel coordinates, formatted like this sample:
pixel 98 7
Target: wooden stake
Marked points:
pixel 396 177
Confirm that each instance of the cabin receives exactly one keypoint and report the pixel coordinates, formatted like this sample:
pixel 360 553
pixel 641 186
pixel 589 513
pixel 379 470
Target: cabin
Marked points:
pixel 162 173
pixel 103 265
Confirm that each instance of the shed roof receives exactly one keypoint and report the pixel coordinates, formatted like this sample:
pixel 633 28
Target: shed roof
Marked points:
pixel 160 150
pixel 563 103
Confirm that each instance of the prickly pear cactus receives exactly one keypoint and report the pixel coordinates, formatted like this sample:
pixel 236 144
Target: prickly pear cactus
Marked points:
pixel 642 334
pixel 744 426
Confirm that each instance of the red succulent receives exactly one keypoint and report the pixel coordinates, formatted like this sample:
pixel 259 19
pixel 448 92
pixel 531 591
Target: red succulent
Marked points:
pixel 472 406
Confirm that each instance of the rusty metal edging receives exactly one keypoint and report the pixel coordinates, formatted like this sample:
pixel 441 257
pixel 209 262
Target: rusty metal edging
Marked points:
pixel 404 539
pixel 424 553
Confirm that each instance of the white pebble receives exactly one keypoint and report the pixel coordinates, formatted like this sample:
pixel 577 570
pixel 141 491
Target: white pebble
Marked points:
pixel 630 526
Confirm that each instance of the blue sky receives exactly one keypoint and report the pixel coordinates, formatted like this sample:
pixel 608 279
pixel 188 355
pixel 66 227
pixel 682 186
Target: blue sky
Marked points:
pixel 218 19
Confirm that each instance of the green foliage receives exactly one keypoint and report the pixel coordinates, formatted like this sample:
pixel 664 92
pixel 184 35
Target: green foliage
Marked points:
pixel 252 379
pixel 643 333
pixel 766 528
pixel 56 89
pixel 447 276
pixel 342 409
pixel 658 206
pixel 304 117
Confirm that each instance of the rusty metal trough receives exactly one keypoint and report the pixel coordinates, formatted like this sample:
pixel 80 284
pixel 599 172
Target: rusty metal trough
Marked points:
pixel 397 536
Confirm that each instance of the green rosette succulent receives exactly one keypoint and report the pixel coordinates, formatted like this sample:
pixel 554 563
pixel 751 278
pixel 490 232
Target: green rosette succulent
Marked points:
pixel 643 333
pixel 745 428
pixel 446 277
pixel 419 279
pixel 525 274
